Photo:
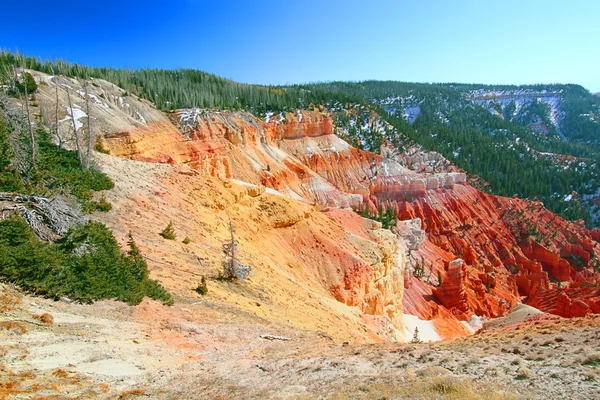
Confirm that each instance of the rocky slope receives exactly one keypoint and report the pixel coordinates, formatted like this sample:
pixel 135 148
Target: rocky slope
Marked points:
pixel 111 350
pixel 480 254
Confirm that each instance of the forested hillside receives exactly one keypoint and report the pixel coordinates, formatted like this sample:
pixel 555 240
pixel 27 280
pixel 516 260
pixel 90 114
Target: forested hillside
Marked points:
pixel 184 88
pixel 530 141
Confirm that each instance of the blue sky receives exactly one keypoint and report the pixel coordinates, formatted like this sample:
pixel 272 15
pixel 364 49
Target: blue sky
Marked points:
pixel 278 42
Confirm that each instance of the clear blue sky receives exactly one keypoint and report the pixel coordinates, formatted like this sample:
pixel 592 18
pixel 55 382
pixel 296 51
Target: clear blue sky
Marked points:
pixel 278 42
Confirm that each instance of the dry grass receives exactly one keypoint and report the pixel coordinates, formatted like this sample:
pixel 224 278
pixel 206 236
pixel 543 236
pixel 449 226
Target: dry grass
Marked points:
pixel 14 327
pixel 592 359
pixel 524 373
pixel 452 387
pixel 8 302
pixel 131 393
pixel 432 371
pixel 591 375
pixel 46 318
pixel 60 373
pixel 440 387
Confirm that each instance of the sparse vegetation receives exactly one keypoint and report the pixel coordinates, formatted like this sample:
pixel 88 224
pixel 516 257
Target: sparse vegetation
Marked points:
pixel 524 373
pixel 100 148
pixel 57 171
pixel 101 205
pixel 202 289
pixel 169 232
pixel 13 327
pixel 233 269
pixel 592 360
pixel 416 338
pixel 45 318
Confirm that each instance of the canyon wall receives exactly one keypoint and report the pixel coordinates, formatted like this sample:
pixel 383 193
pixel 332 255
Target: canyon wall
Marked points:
pixel 469 253
pixel 300 156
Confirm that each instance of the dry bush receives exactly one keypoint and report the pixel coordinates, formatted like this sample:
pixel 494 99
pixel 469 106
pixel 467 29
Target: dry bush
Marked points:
pixel 541 356
pixel 60 373
pixel 46 318
pixel 590 375
pixel 524 373
pixel 440 387
pixel 8 302
pixel 13 326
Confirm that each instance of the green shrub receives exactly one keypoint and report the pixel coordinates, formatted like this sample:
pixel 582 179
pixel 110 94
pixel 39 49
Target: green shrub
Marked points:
pixel 187 240
pixel 10 181
pixel 202 289
pixel 28 82
pixel 592 359
pixel 100 148
pixel 33 265
pixel 169 232
pixel 57 171
pixel 86 265
pixel 91 206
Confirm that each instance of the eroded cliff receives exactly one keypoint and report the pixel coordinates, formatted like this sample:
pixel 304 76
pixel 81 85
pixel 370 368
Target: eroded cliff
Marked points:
pixel 480 254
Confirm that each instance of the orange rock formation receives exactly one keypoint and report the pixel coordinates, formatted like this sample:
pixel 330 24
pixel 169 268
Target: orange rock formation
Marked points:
pixel 510 250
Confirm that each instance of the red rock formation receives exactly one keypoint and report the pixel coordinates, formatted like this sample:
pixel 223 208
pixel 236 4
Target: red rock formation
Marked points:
pixel 452 292
pixel 511 248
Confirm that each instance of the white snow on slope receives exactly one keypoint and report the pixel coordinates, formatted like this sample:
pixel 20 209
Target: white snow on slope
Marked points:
pixel 427 332
pixel 141 118
pixel 77 114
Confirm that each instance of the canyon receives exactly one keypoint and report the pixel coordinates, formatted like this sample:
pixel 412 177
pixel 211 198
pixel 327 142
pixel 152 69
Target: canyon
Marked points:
pixel 468 254
pixel 328 290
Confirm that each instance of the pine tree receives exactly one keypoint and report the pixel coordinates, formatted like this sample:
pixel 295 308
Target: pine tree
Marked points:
pixel 416 338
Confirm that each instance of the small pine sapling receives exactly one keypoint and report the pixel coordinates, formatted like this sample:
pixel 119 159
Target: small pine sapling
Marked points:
pixel 202 289
pixel 169 232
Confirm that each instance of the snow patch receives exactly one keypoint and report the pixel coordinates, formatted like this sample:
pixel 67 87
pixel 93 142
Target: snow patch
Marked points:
pixel 427 331
pixel 77 115
pixel 141 118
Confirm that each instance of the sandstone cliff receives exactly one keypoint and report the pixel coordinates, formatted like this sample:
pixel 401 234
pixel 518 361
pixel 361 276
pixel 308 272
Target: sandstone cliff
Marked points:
pixel 300 157
pixel 510 250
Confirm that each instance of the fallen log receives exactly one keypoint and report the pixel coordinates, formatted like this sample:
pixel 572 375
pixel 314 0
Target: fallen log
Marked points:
pixel 50 218
pixel 275 337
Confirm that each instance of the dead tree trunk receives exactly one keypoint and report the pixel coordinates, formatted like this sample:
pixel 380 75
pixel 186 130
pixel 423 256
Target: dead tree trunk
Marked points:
pixel 232 268
pixel 89 137
pixel 56 123
pixel 30 126
pixel 31 135
pixel 75 133
pixel 232 244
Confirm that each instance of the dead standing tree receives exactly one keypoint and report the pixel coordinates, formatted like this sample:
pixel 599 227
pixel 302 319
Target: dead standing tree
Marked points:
pixel 75 132
pixel 57 122
pixel 31 135
pixel 232 268
pixel 89 137
pixel 26 111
